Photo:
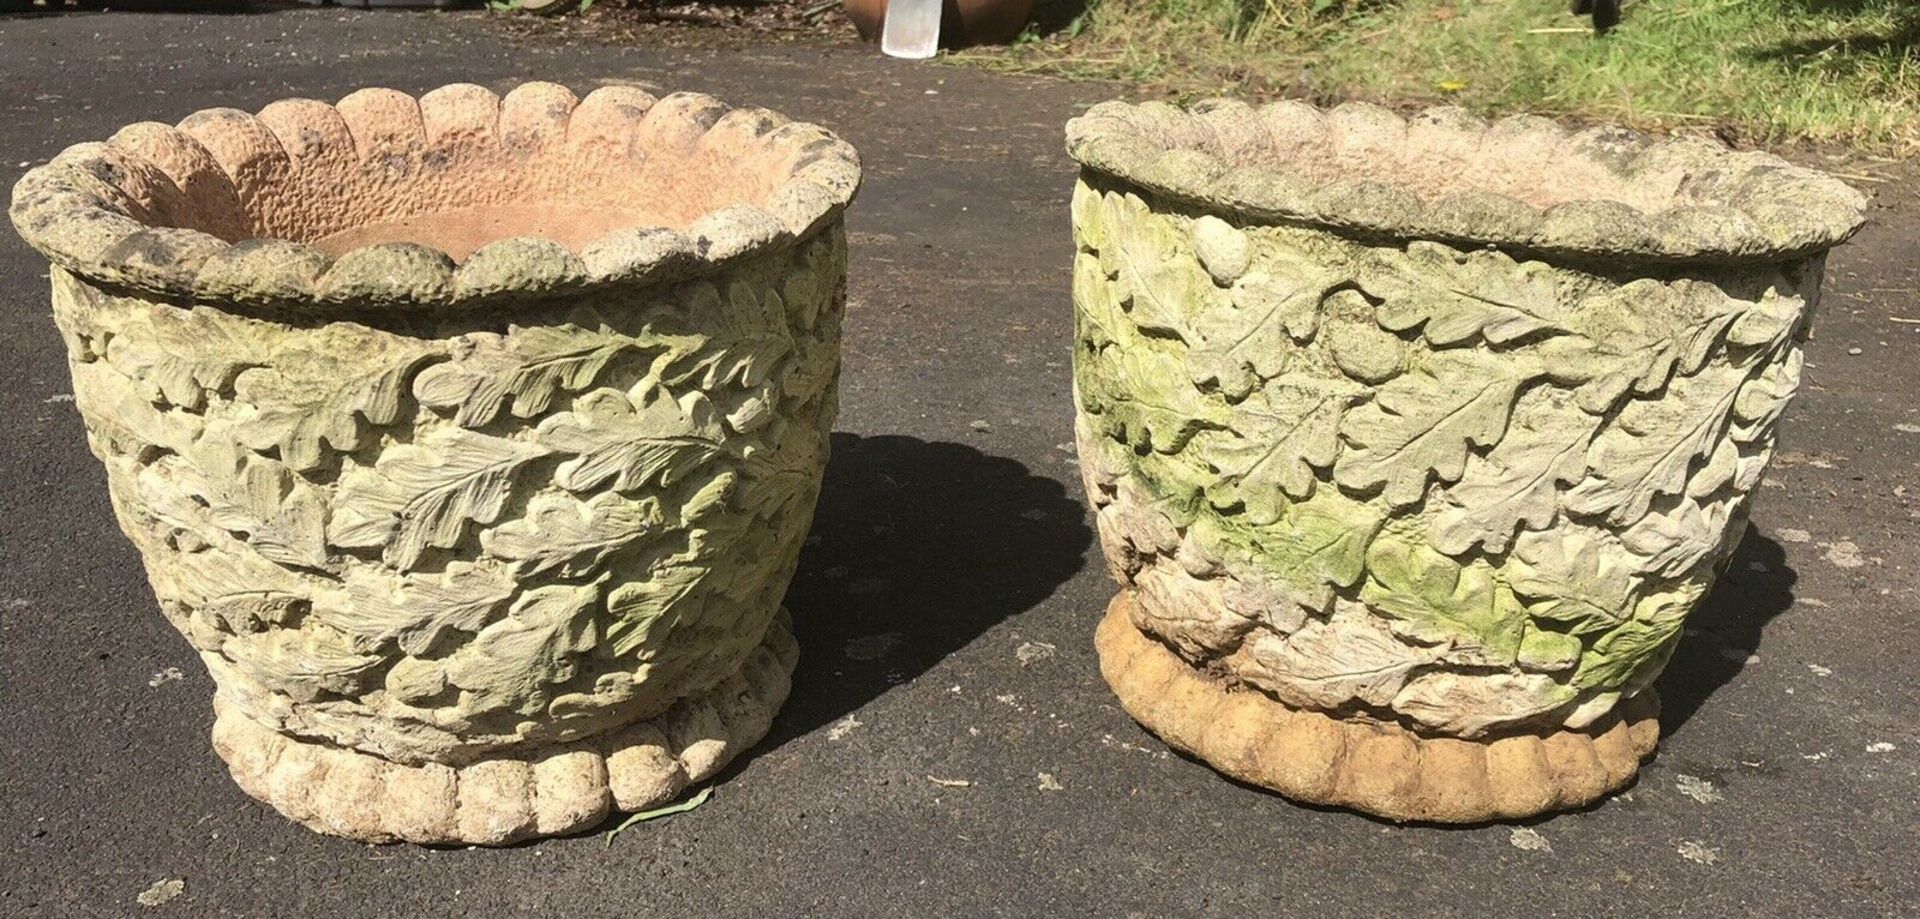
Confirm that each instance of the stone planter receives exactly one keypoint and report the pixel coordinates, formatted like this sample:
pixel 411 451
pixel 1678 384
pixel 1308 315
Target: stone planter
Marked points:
pixel 471 441
pixel 1413 442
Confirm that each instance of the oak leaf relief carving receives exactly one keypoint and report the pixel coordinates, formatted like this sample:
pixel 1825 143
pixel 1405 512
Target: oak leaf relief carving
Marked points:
pixel 304 662
pixel 239 589
pixel 1650 448
pixel 1276 442
pixel 1453 298
pixel 715 338
pixel 1318 546
pixel 1640 336
pixel 1517 484
pixel 422 495
pixel 1422 425
pixel 417 611
pixel 1572 575
pixel 1637 647
pixel 122 420
pixel 311 399
pixel 522 372
pixel 1675 538
pixel 179 356
pixel 1273 312
pixel 1157 280
pixel 1144 400
pixel 1439 600
pixel 783 477
pixel 511 663
pixel 253 497
pixel 574 537
pixel 641 613
pixel 663 440
pixel 1098 319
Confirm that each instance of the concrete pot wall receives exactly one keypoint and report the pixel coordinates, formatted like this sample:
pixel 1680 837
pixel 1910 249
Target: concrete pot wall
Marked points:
pixel 471 441
pixel 1414 441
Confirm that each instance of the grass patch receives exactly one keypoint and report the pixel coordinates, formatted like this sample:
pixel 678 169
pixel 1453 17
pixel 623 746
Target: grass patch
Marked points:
pixel 1766 71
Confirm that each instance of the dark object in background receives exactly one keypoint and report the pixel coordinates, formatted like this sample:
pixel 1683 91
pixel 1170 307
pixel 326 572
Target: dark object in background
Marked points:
pixel 124 6
pixel 1605 13
pixel 962 22
pixel 393 4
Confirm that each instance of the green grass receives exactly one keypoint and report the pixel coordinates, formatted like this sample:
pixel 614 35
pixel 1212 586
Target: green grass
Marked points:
pixel 1768 71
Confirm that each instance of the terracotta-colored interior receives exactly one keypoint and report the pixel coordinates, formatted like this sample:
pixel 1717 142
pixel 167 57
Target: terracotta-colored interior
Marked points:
pixel 460 231
pixel 455 171
pixel 460 203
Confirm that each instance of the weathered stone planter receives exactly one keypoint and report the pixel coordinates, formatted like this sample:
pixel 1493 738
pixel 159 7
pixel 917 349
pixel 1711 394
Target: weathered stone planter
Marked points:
pixel 1414 441
pixel 471 441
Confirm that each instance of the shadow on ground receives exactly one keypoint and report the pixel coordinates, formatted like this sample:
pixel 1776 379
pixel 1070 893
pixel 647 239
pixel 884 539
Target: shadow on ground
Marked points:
pixel 1725 629
pixel 1851 54
pixel 918 547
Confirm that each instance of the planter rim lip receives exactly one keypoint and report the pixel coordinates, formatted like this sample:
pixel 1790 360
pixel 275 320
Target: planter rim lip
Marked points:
pixel 1771 208
pixel 65 210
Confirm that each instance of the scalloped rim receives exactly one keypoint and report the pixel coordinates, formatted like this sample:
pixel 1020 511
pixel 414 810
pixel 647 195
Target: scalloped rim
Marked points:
pixel 1771 209
pixel 64 209
pixel 1383 770
pixel 565 788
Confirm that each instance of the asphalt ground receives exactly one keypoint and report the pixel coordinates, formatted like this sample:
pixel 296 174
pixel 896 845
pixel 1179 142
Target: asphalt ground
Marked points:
pixel 946 605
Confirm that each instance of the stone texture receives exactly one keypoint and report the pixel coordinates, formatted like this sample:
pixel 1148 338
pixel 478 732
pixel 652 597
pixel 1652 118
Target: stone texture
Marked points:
pixel 1444 174
pixel 1382 769
pixel 564 788
pixel 387 202
pixel 462 435
pixel 1366 457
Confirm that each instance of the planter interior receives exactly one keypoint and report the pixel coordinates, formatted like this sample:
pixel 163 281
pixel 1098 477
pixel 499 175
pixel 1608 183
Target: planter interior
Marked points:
pixel 1415 440
pixel 382 200
pixel 471 441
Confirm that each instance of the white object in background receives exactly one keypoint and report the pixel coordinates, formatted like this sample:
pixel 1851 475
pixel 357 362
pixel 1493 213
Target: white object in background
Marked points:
pixel 911 29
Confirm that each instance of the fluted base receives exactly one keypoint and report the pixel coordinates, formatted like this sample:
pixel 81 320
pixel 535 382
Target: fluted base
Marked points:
pixel 552 791
pixel 1384 770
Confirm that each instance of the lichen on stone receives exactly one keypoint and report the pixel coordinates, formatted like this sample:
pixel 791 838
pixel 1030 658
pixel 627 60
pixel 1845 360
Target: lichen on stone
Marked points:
pixel 1379 422
pixel 448 520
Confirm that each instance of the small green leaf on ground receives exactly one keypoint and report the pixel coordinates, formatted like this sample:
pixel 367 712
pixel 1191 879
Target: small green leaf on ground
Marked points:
pixel 679 807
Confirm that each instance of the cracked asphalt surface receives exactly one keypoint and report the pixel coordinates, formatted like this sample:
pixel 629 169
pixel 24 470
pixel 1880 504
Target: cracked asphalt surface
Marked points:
pixel 947 603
